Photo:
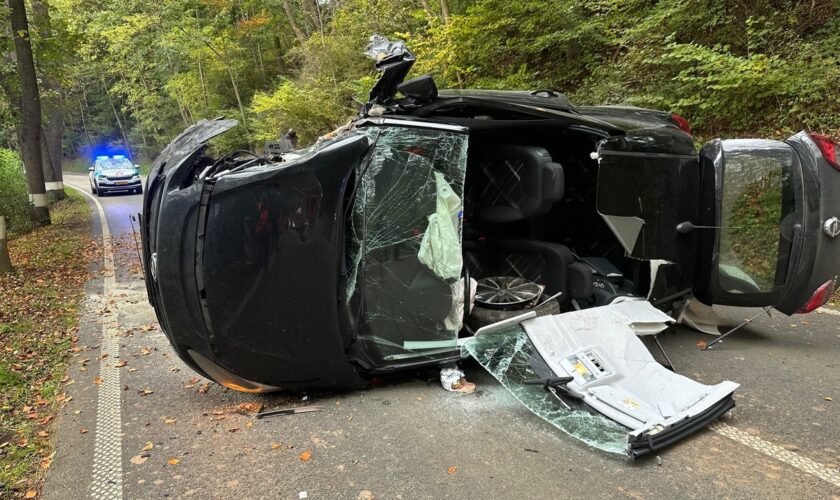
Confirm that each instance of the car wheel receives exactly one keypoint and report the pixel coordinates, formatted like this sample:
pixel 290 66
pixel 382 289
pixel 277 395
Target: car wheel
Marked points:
pixel 139 190
pixel 92 189
pixel 100 193
pixel 483 316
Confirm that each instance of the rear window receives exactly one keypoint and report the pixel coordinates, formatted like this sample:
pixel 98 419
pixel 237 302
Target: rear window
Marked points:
pixel 758 215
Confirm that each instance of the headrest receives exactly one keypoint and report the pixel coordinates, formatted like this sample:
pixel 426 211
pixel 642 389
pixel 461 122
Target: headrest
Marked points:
pixel 514 182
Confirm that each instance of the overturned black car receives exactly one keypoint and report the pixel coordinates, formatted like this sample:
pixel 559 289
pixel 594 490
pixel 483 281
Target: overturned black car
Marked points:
pixel 438 213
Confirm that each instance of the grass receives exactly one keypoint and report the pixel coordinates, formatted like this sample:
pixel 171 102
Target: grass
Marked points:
pixel 39 314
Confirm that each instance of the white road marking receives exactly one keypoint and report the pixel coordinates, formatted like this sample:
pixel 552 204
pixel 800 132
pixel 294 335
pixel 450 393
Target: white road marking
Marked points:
pixel 106 481
pixel 804 464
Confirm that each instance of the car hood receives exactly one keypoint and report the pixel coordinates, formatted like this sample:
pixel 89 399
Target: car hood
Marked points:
pixel 188 142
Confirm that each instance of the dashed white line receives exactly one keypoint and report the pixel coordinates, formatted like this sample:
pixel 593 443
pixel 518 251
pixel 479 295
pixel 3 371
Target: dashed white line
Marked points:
pixel 106 481
pixel 795 460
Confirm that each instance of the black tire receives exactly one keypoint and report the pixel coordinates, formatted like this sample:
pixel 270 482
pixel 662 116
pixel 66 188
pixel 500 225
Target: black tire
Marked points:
pixel 482 316
pixel 93 190
pixel 99 193
pixel 139 190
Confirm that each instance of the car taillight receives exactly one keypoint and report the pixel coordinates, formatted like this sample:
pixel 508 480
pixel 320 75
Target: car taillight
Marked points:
pixel 829 149
pixel 819 298
pixel 682 123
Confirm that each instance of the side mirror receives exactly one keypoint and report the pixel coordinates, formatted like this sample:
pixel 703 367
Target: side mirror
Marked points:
pixel 90 169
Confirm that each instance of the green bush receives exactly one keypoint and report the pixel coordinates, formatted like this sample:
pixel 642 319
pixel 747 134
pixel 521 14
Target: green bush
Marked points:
pixel 14 197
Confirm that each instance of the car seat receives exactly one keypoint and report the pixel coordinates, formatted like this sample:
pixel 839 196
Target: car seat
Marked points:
pixel 506 184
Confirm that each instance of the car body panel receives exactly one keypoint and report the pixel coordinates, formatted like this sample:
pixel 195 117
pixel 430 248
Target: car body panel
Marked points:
pixel 244 258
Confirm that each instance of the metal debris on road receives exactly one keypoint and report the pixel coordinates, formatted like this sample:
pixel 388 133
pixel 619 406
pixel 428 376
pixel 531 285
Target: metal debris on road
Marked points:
pixel 289 411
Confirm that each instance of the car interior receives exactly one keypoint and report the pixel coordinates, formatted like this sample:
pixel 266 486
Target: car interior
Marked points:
pixel 530 212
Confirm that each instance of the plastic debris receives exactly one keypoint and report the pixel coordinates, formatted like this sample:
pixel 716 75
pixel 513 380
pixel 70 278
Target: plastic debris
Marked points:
pixel 452 379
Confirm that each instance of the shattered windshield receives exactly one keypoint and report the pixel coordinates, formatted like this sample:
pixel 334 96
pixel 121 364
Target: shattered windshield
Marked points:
pixel 405 286
pixel 510 356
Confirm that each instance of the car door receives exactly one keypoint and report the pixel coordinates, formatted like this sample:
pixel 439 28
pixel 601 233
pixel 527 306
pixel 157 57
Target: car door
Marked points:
pixel 405 261
pixel 769 223
pixel 746 223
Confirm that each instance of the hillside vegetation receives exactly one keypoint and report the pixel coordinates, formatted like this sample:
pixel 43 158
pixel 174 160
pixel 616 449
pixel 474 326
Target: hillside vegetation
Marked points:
pixel 144 70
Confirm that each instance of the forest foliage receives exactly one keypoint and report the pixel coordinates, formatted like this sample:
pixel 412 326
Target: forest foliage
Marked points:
pixel 142 71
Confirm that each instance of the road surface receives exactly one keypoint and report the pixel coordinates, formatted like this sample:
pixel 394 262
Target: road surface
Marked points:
pixel 152 429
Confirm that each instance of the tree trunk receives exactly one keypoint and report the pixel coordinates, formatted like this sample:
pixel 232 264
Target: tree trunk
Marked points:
pixel 427 7
pixel 203 87
pixel 291 16
pixel 119 122
pixel 53 107
pixel 312 10
pixel 30 111
pixel 444 10
pixel 54 131
pixel 5 260
pixel 49 172
pixel 239 102
pixel 84 123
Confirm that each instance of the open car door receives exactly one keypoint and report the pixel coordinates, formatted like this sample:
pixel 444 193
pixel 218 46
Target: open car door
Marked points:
pixel 769 223
pixel 750 223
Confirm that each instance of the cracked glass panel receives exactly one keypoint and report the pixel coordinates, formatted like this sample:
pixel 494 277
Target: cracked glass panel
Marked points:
pixel 404 285
pixel 512 359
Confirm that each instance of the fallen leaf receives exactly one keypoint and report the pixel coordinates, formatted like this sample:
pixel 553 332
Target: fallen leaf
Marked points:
pixel 274 446
pixel 305 456
pixel 234 429
pixel 452 470
pixel 43 434
pixel 121 363
pixel 249 408
pixel 145 350
pixel 169 420
pixel 828 398
pixel 701 344
pixel 145 392
pixel 192 382
pixel 82 431
pixel 204 388
pixel 97 380
pixel 31 494
pixel 249 424
pixel 173 461
pixel 138 459
pixel 149 446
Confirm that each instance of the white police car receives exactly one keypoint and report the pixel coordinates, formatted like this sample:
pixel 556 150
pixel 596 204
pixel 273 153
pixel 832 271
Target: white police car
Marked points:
pixel 114 173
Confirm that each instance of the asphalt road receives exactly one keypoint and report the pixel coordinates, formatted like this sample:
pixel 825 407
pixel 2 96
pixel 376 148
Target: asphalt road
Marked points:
pixel 401 438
